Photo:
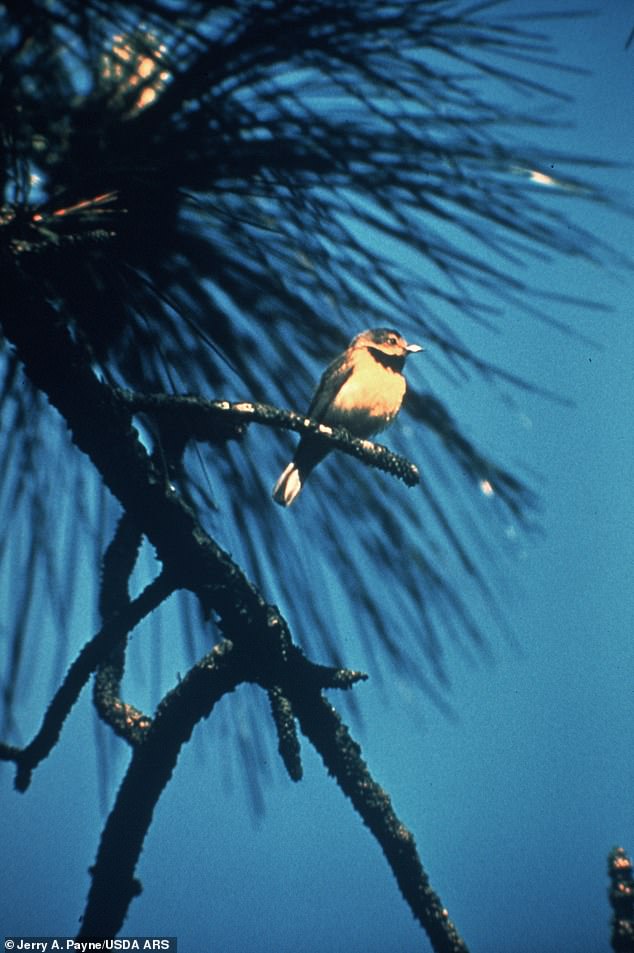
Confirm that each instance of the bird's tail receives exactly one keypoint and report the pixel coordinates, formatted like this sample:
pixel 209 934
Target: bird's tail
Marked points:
pixel 308 454
pixel 288 485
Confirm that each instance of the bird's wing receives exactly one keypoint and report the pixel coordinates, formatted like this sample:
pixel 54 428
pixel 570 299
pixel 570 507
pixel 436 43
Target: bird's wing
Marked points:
pixel 332 380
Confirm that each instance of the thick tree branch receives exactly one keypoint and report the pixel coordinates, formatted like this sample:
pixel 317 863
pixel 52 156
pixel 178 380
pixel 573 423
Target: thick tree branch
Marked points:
pixel 113 883
pixel 157 745
pixel 155 757
pixel 216 420
pixel 342 756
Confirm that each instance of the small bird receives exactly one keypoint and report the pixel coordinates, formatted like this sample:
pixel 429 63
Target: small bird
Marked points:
pixel 361 390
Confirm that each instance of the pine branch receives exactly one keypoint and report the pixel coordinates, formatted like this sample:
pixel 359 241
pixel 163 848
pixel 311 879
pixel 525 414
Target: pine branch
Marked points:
pixel 621 900
pixel 114 630
pixel 119 560
pixel 216 420
pixel 342 757
pixel 100 424
pixel 114 885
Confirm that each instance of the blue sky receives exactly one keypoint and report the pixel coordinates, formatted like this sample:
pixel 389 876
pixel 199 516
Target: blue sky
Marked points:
pixel 516 800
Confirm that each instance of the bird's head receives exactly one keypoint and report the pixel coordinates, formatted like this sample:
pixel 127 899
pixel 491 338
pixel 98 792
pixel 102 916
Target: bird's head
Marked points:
pixel 385 343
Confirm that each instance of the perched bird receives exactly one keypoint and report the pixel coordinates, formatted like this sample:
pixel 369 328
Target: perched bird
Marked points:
pixel 361 390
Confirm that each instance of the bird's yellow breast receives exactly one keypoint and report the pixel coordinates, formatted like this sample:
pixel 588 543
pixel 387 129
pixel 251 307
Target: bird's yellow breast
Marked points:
pixel 369 399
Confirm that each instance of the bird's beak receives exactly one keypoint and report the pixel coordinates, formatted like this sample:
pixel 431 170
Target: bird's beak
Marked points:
pixel 414 348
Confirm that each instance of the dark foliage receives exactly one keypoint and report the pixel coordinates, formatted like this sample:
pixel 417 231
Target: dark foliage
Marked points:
pixel 216 199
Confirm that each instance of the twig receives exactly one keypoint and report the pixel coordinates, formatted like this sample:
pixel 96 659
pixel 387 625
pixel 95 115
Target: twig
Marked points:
pixel 287 740
pixel 621 900
pixel 78 674
pixel 118 562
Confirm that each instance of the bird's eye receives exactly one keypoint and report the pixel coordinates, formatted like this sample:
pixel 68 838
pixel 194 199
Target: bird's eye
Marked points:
pixel 392 339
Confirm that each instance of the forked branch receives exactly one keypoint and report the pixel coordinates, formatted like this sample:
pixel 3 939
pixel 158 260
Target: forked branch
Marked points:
pixel 258 644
